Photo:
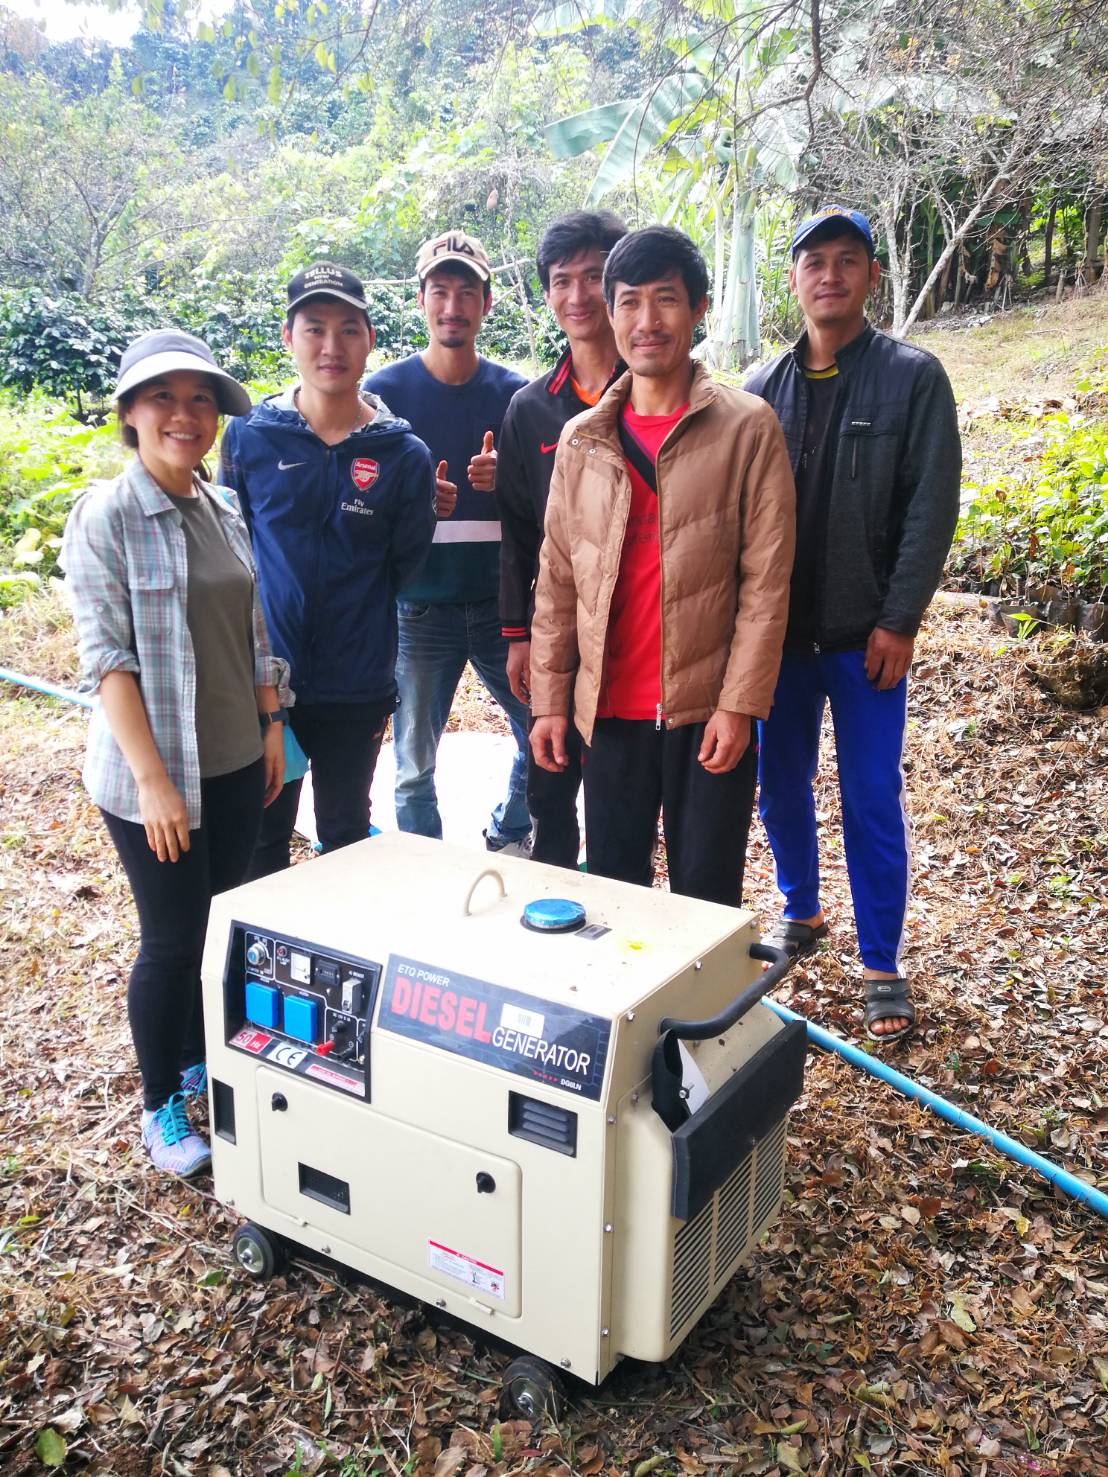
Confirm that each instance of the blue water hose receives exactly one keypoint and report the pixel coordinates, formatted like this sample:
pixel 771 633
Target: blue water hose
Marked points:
pixel 1096 1199
pixel 36 684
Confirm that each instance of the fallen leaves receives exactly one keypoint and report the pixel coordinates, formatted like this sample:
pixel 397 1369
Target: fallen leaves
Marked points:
pixel 922 1306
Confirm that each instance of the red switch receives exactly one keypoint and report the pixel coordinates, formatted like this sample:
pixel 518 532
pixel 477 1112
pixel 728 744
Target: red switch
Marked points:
pixel 325 1047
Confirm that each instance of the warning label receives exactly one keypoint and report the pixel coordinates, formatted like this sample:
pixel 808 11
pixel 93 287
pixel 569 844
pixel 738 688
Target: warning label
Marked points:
pixel 466 1269
pixel 325 1074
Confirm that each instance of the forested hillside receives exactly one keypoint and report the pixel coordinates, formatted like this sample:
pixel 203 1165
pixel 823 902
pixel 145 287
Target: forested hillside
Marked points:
pixel 188 174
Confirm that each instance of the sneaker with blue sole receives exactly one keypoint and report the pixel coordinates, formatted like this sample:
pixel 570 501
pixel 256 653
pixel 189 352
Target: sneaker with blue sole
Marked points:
pixel 170 1141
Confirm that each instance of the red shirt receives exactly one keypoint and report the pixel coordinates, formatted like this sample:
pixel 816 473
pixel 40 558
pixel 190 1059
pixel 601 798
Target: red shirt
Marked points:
pixel 632 683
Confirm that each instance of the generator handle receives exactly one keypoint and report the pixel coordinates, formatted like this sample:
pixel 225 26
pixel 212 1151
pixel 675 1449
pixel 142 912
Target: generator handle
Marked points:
pixel 476 883
pixel 779 961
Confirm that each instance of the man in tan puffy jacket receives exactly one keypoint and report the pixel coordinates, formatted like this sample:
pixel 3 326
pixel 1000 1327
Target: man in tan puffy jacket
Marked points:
pixel 663 587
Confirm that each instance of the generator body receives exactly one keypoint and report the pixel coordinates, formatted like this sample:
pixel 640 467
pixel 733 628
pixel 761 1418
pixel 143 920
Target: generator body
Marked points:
pixel 407 1078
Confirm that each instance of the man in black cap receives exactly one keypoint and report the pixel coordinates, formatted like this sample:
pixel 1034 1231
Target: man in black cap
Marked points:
pixel 873 437
pixel 338 494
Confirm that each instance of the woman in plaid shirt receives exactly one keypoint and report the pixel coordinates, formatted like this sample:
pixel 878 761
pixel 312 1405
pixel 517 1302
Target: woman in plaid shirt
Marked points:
pixel 186 742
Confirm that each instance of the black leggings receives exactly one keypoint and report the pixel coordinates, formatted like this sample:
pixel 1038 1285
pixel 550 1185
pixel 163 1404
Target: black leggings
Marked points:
pixel 173 898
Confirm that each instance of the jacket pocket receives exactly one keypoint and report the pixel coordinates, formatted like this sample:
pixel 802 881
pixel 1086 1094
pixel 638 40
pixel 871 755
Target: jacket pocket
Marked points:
pixel 870 435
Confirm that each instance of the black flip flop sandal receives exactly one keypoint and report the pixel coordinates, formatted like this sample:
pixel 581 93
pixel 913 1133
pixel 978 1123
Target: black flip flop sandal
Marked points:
pixel 796 939
pixel 885 1001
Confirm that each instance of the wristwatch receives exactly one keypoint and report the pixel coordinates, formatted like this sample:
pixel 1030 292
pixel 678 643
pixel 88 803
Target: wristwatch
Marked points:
pixel 277 716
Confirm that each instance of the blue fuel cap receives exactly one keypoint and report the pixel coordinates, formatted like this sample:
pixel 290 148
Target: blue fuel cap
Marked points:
pixel 553 915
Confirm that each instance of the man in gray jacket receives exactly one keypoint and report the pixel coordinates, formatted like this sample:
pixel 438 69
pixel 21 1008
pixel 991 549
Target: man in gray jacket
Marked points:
pixel 872 433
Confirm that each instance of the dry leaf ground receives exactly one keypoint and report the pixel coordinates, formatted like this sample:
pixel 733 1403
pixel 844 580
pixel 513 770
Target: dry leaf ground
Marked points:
pixel 923 1306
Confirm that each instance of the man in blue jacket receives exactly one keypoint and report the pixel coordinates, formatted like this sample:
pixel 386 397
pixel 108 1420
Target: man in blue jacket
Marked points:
pixel 872 433
pixel 339 497
pixel 455 399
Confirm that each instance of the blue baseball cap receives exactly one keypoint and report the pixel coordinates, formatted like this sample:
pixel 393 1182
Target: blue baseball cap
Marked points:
pixel 853 220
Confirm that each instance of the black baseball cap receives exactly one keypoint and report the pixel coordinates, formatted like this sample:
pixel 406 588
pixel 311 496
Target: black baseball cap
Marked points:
pixel 851 220
pixel 166 350
pixel 326 279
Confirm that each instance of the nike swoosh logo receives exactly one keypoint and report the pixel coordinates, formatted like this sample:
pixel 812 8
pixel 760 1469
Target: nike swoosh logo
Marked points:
pixel 544 448
pixel 288 466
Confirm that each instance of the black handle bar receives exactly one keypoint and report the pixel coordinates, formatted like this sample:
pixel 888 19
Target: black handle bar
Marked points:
pixel 779 961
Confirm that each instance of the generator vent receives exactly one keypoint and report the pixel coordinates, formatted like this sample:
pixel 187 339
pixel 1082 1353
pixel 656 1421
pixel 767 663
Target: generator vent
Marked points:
pixel 542 1123
pixel 707 1248
pixel 692 1266
pixel 771 1162
pixel 731 1217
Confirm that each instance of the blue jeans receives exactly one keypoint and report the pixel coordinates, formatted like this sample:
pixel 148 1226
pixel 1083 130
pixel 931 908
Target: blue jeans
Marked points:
pixel 436 641
pixel 869 741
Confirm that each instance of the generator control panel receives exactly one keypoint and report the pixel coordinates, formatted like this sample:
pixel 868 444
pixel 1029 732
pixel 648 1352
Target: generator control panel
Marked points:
pixel 300 1007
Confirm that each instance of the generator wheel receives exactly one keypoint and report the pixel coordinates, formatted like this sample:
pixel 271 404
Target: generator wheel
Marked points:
pixel 531 1389
pixel 258 1252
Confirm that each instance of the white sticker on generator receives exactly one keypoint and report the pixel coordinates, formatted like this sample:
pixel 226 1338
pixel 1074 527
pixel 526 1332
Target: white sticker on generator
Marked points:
pixel 467 1269
pixel 526 1022
pixel 692 1080
pixel 300 968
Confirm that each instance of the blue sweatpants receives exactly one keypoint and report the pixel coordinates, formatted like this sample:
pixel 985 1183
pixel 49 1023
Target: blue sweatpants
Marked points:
pixel 869 742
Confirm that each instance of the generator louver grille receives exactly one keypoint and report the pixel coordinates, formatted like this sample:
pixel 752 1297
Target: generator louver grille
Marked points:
pixel 692 1266
pixel 734 1204
pixel 542 1123
pixel 706 1249
pixel 771 1163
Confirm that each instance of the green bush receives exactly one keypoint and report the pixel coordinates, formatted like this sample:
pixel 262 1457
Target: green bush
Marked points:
pixel 47 458
pixel 238 316
pixel 1048 528
pixel 65 345
pixel 70 347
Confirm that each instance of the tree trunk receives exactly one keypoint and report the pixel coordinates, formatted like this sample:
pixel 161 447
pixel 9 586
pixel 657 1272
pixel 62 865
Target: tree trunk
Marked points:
pixel 898 267
pixel 735 332
pixel 1092 242
pixel 944 283
pixel 952 245
pixel 1048 242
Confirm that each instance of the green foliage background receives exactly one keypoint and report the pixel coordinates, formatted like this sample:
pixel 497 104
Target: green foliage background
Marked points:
pixel 182 179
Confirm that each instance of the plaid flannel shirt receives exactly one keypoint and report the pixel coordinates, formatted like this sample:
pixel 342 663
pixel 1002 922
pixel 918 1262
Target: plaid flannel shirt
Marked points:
pixel 126 568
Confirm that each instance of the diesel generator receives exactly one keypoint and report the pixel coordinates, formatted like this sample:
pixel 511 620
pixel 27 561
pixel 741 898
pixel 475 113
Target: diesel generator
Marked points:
pixel 546 1103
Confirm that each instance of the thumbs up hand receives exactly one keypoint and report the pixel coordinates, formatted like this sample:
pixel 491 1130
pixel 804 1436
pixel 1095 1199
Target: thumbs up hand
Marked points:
pixel 482 469
pixel 446 493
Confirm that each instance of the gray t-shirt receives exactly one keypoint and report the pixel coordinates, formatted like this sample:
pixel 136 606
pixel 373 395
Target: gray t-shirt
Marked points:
pixel 219 609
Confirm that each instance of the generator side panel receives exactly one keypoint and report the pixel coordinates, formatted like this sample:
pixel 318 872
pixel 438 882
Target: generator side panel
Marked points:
pixel 669 1270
